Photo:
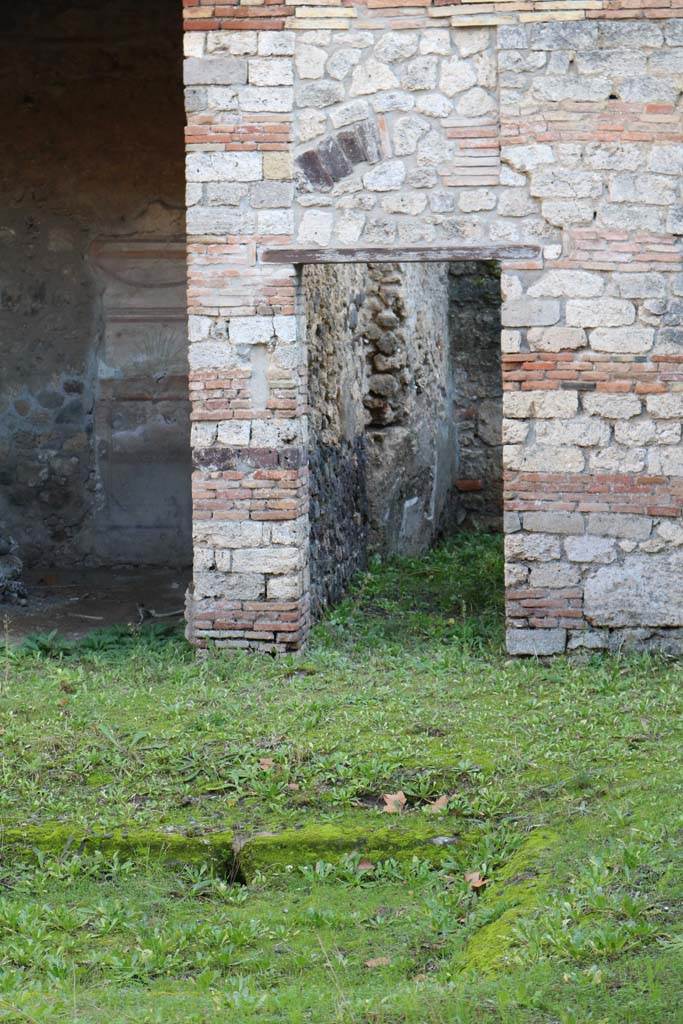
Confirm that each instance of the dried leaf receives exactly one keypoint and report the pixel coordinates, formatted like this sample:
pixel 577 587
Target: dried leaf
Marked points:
pixel 366 865
pixel 437 806
pixel 394 802
pixel 475 880
pixel 294 786
pixel 378 961
pixel 266 763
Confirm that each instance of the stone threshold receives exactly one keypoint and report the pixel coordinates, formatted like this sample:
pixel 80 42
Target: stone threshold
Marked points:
pixel 398 254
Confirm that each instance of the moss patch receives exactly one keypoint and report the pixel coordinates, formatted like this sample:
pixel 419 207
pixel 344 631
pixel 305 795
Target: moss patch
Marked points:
pixel 517 892
pixel 297 847
pixel 139 844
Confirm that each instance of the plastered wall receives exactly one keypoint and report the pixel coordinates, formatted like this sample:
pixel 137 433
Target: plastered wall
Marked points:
pixel 94 431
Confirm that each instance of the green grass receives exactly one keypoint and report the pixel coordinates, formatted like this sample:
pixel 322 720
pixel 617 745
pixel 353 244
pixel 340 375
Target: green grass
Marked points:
pixel 564 780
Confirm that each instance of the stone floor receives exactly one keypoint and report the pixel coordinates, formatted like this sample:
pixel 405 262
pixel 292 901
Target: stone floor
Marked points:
pixel 74 602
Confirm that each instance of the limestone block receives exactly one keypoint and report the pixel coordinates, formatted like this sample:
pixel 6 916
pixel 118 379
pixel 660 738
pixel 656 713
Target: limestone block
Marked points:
pixel 617 62
pixel 356 110
pixel 554 575
pixel 384 102
pixel 535 642
pixel 556 339
pixel 294 531
pixel 541 404
pixel 515 431
pixel 647 89
pixel 563 35
pixel 435 40
pixel 644 591
pixel 666 406
pixel 224 166
pixel 617 34
pixel 215 71
pixel 271 71
pixel 613 156
pixel 570 283
pixel 588 640
pixel 209 355
pixel 217 220
pixel 634 433
pixel 613 407
pixel 474 199
pixel 420 73
pixel 385 176
pixel 238 586
pixel 558 88
pixel 600 313
pixel 528 158
pixel 564 183
pixel 310 60
pixel 486 69
pixel 640 286
pixel 622 339
pixel 667 461
pixel 316 227
pixel 456 76
pixel 565 212
pixel 411 203
pixel 527 312
pixel 275 433
pixel 516 203
pixel 349 227
pixel 233 432
pixel 539 458
pixel 272 44
pixel 655 189
pixel 285 588
pixel 275 222
pixel 633 217
pixel 276 559
pixel 250 330
pixel 613 524
pixel 224 193
pixel 265 99
pixel 237 43
pixel 396 46
pixel 319 94
pixel 585 431
pixel 471 40
pixel 590 549
pixel 616 459
pixel 226 533
pixel 371 77
pixel 476 103
pixel 342 61
pixel 568 523
pixel 272 195
pixel 407 133
pixel 433 105
pixel 531 547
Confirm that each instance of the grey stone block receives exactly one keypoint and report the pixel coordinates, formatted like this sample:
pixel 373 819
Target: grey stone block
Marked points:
pixel 536 642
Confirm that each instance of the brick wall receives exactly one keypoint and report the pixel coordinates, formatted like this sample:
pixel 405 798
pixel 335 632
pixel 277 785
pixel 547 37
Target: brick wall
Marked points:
pixel 542 124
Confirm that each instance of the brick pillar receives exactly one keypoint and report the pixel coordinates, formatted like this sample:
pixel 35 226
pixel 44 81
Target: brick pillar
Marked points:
pixel 247 353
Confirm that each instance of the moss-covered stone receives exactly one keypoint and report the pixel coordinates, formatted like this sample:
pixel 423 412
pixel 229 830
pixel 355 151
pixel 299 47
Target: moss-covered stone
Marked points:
pixel 329 842
pixel 518 890
pixel 213 848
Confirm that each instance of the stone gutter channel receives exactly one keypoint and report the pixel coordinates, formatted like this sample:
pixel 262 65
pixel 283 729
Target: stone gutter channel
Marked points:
pixel 235 856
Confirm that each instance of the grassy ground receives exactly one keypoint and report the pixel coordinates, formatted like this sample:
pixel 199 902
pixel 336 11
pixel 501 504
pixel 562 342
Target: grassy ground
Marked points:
pixel 563 786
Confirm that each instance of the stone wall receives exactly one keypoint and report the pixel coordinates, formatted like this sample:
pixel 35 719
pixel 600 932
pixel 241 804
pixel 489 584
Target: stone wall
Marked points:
pixel 549 140
pixel 94 461
pixel 405 411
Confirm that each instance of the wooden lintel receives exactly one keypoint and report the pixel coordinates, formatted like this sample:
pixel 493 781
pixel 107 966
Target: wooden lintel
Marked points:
pixel 399 254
